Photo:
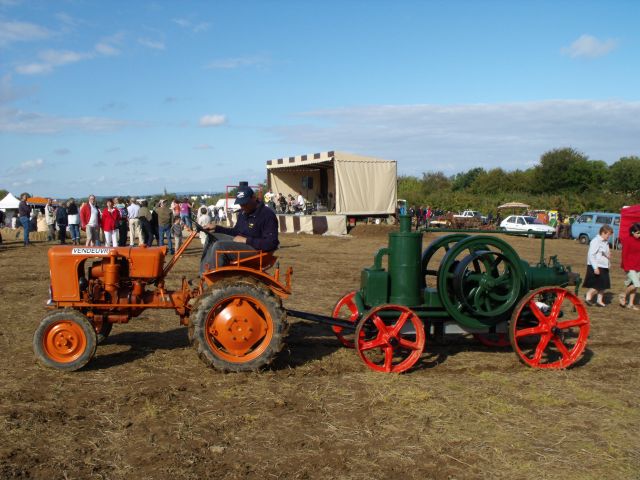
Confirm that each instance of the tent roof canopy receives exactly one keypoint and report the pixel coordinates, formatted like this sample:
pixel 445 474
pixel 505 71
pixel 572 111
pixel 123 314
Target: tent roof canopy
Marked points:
pixel 9 201
pixel 319 160
pixel 513 205
pixel 40 201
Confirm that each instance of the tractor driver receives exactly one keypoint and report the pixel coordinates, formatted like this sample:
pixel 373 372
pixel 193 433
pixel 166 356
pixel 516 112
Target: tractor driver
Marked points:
pixel 256 229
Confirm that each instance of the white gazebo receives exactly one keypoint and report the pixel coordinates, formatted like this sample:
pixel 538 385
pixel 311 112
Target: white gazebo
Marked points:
pixel 9 202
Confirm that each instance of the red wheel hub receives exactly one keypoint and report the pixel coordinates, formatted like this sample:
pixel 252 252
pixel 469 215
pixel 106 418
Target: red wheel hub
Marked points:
pixel 390 338
pixel 239 328
pixel 549 328
pixel 64 341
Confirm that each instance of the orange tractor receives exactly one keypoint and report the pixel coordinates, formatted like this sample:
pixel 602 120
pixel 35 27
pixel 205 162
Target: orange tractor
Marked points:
pixel 234 315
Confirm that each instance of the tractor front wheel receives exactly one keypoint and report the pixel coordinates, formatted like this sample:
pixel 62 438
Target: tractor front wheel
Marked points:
pixel 239 327
pixel 65 340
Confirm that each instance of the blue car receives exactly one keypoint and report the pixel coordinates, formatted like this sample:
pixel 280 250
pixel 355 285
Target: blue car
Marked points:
pixel 588 226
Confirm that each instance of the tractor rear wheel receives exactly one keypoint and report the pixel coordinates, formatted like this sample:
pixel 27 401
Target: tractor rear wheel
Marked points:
pixel 239 327
pixel 65 340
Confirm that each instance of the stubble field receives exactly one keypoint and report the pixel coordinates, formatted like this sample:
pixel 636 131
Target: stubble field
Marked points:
pixel 147 407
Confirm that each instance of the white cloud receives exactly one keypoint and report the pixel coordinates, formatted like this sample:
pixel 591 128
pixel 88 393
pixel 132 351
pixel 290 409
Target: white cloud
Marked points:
pixel 454 138
pixel 106 49
pixel 590 47
pixel 25 167
pixel 51 59
pixel 34 69
pixel 156 45
pixel 238 62
pixel 31 164
pixel 214 120
pixel 13 31
pixel 62 57
pixel 18 121
pixel 194 27
pixel 22 183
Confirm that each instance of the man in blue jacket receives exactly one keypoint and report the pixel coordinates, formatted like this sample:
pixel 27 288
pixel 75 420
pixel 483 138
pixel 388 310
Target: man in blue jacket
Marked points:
pixel 256 229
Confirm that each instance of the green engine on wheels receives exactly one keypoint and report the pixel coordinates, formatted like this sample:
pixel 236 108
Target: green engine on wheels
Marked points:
pixel 462 283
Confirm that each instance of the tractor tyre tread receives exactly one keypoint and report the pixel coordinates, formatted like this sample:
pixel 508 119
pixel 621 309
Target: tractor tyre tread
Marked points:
pixel 231 286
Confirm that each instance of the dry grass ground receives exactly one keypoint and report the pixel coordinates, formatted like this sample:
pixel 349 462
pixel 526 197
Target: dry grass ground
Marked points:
pixel 147 407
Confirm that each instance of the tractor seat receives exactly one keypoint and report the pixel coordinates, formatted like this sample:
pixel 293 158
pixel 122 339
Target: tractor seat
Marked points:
pixel 260 261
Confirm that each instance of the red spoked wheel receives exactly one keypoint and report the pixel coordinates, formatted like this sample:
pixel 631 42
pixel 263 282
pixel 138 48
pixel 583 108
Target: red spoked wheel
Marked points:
pixel 549 328
pixel 390 338
pixel 346 309
pixel 493 340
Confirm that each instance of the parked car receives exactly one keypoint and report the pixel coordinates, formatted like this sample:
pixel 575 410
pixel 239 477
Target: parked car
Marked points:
pixel 526 225
pixel 588 226
pixel 471 214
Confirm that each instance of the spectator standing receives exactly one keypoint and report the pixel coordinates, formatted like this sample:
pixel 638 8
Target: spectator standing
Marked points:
pixel 176 232
pixel 90 220
pixel 133 211
pixel 24 216
pixel 185 212
pixel 631 265
pixel 203 219
pixel 597 277
pixel 62 220
pixel 144 215
pixel 175 208
pixel 222 214
pixel 110 220
pixel 50 218
pixel 300 203
pixel 164 224
pixel 123 223
pixel 155 234
pixel 73 217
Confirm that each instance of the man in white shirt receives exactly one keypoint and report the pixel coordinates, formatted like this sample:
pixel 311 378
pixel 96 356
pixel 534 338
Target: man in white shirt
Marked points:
pixel 300 202
pixel 133 211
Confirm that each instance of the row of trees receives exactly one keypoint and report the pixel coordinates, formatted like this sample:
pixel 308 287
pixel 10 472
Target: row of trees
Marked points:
pixel 565 179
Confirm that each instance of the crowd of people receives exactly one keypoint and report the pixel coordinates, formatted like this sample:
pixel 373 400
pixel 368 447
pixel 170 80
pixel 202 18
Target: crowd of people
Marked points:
pixel 290 204
pixel 116 223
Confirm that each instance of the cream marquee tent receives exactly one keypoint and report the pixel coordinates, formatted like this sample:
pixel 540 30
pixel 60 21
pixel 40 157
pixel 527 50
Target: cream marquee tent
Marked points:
pixel 350 184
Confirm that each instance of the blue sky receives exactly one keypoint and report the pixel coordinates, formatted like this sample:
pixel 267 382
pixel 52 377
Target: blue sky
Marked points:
pixel 119 97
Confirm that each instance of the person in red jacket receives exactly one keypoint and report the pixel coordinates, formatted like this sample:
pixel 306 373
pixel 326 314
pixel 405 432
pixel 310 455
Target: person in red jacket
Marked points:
pixel 109 222
pixel 90 221
pixel 631 265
